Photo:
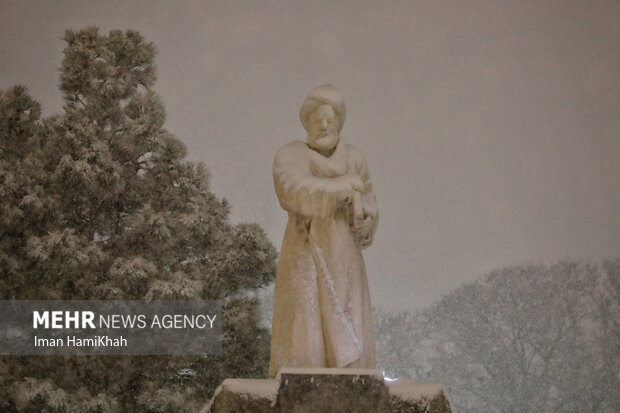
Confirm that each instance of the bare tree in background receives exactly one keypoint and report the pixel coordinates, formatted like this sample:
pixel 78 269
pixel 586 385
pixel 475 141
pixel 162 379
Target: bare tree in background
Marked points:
pixel 528 338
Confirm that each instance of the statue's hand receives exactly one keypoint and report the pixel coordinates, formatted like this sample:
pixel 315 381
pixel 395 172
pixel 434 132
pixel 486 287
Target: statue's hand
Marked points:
pixel 355 182
pixel 363 231
pixel 364 226
pixel 350 184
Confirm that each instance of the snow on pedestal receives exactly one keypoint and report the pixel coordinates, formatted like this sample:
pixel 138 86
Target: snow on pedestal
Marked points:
pixel 309 371
pixel 328 390
pixel 426 397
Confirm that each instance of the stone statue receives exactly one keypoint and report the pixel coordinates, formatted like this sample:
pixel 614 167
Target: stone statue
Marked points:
pixel 322 315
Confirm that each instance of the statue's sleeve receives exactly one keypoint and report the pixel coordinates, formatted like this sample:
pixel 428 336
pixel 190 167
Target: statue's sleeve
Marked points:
pixel 369 202
pixel 301 192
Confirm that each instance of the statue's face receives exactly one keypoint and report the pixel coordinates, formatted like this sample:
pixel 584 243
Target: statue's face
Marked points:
pixel 323 131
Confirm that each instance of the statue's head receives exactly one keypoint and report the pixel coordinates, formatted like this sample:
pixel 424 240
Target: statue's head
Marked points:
pixel 322 114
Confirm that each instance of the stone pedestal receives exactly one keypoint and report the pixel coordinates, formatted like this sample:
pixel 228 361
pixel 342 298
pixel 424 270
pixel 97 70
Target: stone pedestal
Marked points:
pixel 328 390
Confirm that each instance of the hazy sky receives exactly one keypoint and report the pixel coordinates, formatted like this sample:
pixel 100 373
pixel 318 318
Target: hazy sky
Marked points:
pixel 491 128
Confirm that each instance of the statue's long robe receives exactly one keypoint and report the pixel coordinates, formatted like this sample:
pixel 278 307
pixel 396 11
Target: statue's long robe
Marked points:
pixel 322 314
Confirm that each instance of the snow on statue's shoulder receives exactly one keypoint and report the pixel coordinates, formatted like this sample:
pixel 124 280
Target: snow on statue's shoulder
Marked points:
pixel 411 389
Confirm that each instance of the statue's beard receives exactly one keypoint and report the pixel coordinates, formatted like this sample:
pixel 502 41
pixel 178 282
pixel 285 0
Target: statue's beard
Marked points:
pixel 323 142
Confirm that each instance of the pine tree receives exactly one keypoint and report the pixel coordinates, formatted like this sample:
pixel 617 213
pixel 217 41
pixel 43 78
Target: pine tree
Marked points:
pixel 99 202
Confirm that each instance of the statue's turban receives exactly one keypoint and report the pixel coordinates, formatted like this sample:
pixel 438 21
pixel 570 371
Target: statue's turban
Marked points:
pixel 321 95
